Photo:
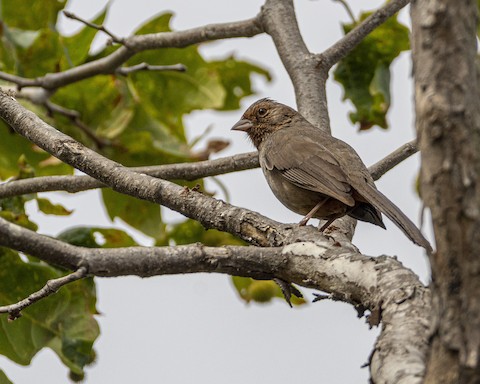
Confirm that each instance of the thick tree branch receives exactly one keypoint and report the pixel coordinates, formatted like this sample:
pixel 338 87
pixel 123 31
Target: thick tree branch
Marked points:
pixel 382 285
pixel 51 287
pixel 278 18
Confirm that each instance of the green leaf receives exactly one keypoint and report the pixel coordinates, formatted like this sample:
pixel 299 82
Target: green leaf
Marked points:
pixel 96 237
pixel 47 207
pixel 41 57
pixel 33 15
pixel 260 291
pixel 140 214
pixel 4 379
pixel 149 141
pixel 14 146
pixel 13 210
pixel 236 80
pixel 191 231
pixel 79 236
pixel 168 95
pixel 365 72
pixel 21 38
pixel 59 321
pixel 95 98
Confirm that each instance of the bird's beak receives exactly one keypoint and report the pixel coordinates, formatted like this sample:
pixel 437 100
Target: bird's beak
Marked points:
pixel 242 125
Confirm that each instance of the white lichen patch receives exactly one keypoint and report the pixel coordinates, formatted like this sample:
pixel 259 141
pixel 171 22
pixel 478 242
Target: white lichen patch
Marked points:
pixel 317 249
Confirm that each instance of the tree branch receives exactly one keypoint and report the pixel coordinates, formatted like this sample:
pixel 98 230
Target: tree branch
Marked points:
pixel 345 45
pixel 393 159
pixel 182 171
pixel 74 116
pixel 139 43
pixel 20 81
pixel 52 286
pixel 124 71
pixel 382 285
pixel 278 18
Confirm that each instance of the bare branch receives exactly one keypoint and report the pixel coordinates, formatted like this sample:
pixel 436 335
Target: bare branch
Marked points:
pixel 52 286
pixel 396 157
pixel 183 171
pixel 20 81
pixel 124 71
pixel 102 28
pixel 344 46
pixel 139 43
pixel 74 116
pixel 55 108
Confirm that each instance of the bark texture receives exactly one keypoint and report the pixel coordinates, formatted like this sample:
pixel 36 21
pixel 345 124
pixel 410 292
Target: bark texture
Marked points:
pixel 447 107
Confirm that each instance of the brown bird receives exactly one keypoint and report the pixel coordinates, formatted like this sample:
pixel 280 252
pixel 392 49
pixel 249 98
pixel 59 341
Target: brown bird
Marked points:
pixel 314 174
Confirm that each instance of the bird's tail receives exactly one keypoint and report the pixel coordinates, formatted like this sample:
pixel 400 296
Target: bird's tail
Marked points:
pixel 380 201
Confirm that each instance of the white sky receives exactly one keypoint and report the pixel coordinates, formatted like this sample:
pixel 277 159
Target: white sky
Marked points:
pixel 194 329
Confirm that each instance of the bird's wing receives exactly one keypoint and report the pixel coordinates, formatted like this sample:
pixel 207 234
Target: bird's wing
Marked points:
pixel 309 165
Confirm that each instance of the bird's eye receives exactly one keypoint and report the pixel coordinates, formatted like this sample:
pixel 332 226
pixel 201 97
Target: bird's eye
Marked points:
pixel 262 112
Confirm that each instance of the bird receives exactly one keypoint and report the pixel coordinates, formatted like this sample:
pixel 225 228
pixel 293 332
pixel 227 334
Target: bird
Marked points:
pixel 315 174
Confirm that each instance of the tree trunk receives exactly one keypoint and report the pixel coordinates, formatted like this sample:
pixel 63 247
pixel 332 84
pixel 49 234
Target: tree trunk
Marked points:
pixel 448 122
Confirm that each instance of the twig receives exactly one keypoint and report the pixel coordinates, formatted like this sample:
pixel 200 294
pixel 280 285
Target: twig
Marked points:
pixel 55 108
pixel 52 286
pixel 348 9
pixel 114 37
pixel 124 71
pixel 74 116
pixel 396 157
pixel 99 141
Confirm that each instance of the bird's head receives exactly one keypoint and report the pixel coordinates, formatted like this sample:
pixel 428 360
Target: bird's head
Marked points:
pixel 264 117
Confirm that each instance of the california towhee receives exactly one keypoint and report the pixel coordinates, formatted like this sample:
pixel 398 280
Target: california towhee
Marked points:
pixel 315 174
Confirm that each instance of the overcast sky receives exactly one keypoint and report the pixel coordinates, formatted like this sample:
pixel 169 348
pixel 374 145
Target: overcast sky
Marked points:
pixel 194 329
